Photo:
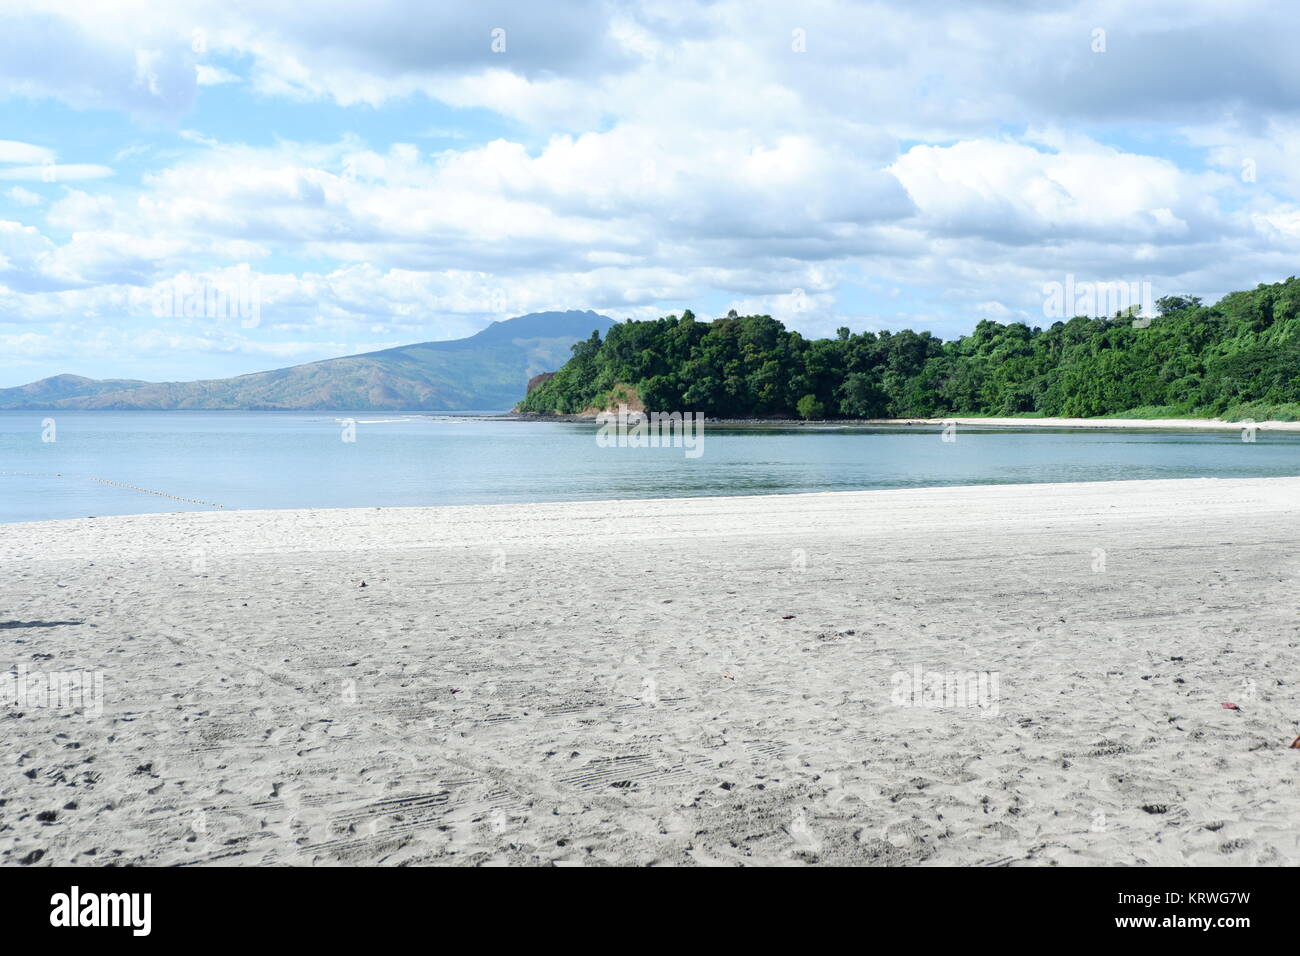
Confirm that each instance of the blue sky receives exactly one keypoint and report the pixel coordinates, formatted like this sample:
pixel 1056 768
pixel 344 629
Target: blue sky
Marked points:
pixel 216 188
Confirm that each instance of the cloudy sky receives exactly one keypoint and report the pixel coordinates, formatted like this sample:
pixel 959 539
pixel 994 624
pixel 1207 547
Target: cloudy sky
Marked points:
pixel 371 174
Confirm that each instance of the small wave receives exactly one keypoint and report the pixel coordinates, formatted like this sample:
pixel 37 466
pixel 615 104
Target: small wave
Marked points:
pixel 372 421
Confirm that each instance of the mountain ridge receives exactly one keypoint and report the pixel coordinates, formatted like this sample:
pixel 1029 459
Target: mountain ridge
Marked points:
pixel 487 370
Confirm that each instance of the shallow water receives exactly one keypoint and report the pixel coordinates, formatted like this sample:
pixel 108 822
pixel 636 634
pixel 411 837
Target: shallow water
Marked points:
pixel 193 461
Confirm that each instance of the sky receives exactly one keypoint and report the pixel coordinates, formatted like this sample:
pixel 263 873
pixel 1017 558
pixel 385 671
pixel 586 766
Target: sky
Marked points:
pixel 194 190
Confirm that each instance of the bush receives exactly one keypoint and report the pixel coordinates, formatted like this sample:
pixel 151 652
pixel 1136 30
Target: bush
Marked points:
pixel 809 408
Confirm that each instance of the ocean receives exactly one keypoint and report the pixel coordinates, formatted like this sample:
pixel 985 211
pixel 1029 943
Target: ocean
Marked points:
pixel 105 463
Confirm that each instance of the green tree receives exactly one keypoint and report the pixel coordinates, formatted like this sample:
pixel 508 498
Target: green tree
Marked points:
pixel 810 408
pixel 1239 357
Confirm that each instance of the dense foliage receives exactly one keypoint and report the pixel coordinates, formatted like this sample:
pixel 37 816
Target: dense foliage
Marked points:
pixel 1237 358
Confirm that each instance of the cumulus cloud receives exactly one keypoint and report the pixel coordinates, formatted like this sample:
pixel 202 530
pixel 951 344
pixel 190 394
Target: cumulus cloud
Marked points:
pixel 122 56
pixel 1019 193
pixel 919 163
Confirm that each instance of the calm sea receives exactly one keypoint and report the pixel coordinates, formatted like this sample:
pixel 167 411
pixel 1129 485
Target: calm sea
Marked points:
pixel 103 463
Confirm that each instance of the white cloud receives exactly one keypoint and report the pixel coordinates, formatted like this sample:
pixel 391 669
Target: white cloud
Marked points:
pixel 206 75
pixel 15 152
pixel 56 172
pixel 24 197
pixel 127 56
pixel 648 157
pixel 1284 222
pixel 1013 191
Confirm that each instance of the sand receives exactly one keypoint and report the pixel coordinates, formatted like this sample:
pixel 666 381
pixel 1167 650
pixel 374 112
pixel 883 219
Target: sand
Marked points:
pixel 1177 424
pixel 703 681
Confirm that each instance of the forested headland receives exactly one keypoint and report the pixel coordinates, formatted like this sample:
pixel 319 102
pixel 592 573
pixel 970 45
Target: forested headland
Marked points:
pixel 1238 358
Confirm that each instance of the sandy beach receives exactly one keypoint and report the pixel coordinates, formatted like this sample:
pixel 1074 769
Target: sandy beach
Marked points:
pixel 677 681
pixel 1176 424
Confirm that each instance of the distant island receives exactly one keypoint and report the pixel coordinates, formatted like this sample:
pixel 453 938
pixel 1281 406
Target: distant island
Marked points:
pixel 486 371
pixel 1236 359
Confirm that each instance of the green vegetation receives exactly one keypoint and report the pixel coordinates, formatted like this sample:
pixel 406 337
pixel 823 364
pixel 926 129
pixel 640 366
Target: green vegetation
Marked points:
pixel 1238 358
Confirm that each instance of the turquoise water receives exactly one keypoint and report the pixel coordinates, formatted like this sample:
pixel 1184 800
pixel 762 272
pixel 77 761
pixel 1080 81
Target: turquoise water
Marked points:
pixel 299 460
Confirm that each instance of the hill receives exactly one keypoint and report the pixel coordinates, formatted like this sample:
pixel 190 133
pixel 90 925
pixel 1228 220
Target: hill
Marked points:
pixel 1237 358
pixel 488 370
pixel 59 387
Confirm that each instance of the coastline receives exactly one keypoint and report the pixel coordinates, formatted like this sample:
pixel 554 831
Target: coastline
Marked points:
pixel 1214 424
pixel 700 680
pixel 1175 424
pixel 1194 424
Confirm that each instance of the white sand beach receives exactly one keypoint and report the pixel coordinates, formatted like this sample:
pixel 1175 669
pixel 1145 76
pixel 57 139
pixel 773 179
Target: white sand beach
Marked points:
pixel 1175 424
pixel 698 681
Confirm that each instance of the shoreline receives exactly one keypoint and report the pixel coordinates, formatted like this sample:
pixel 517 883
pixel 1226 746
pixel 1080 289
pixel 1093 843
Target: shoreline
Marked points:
pixel 1003 422
pixel 658 504
pixel 1176 424
pixel 1127 423
pixel 707 681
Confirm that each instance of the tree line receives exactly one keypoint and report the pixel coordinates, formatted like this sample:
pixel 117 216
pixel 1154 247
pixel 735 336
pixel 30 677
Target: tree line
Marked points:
pixel 1238 358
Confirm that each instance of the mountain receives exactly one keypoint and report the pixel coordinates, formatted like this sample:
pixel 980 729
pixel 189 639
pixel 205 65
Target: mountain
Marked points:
pixel 59 387
pixel 488 370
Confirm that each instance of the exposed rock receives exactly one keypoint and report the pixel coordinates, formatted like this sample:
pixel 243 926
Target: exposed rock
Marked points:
pixel 537 380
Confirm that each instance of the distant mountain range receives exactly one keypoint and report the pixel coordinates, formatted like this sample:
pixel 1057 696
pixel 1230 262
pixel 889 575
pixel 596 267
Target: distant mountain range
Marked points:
pixel 488 370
